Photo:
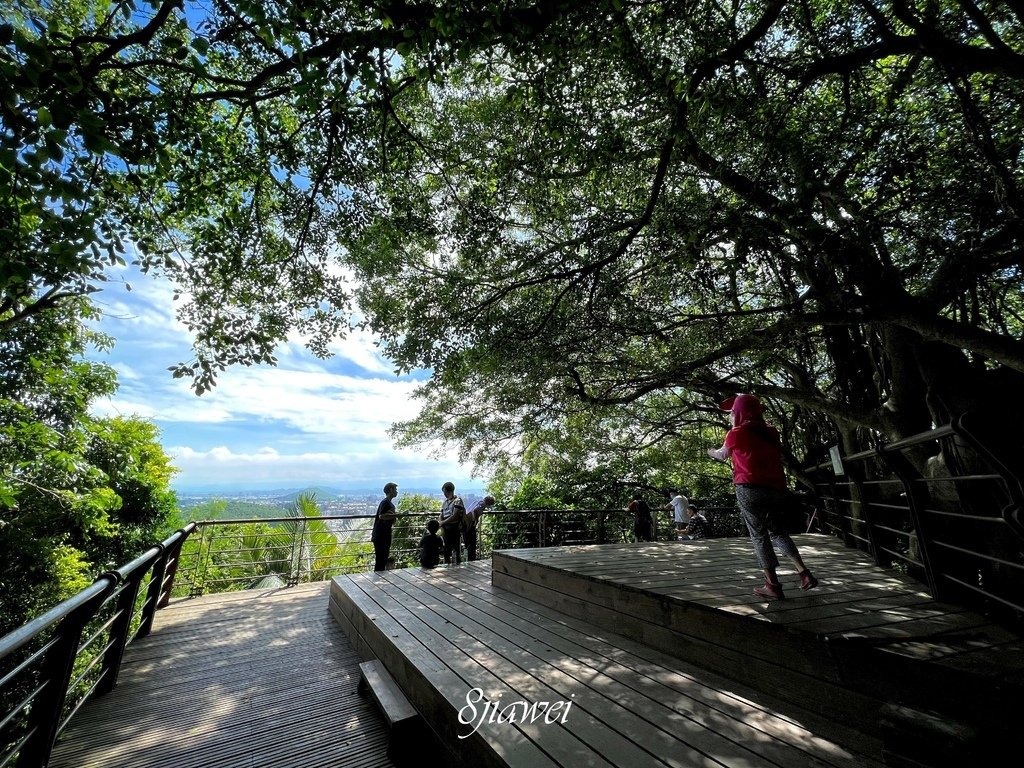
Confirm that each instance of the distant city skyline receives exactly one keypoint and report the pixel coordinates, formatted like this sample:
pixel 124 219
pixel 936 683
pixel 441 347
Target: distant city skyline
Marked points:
pixel 304 422
pixel 468 488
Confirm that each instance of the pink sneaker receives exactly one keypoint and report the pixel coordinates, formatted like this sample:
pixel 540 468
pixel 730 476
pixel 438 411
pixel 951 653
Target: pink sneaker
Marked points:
pixel 770 591
pixel 807 580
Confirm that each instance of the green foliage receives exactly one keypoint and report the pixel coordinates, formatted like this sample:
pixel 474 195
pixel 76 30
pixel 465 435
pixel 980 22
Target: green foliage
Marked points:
pixel 226 557
pixel 792 203
pixel 418 504
pixel 128 451
pixel 71 571
pixel 557 208
pixel 235 509
pixel 413 512
pixel 78 494
pixel 598 458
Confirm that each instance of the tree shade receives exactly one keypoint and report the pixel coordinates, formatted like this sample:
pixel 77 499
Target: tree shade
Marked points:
pixel 556 206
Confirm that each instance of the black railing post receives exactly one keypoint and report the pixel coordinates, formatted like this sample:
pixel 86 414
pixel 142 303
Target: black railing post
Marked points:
pixel 44 717
pixel 295 559
pixel 130 576
pixel 837 510
pixel 904 472
pixel 172 549
pixel 867 513
pixel 1013 513
pixel 154 592
pixel 118 637
pixel 199 579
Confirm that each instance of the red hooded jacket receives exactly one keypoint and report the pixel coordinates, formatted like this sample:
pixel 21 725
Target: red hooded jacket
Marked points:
pixel 754 446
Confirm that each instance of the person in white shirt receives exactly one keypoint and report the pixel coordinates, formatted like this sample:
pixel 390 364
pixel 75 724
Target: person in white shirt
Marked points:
pixel 680 507
pixel 470 523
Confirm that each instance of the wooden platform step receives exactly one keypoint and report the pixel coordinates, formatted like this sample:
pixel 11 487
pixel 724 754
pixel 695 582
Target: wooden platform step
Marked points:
pixel 448 637
pixel 866 640
pixel 410 742
pixel 397 711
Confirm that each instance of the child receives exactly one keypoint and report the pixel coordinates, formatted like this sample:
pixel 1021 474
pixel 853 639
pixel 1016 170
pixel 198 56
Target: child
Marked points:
pixel 697 527
pixel 431 546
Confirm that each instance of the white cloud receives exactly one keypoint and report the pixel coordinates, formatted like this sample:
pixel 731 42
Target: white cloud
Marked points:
pixel 356 346
pixel 198 412
pixel 221 466
pixel 359 347
pixel 315 402
pixel 305 421
pixel 148 305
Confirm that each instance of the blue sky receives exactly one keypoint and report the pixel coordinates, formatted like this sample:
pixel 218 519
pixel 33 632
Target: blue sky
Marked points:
pixel 304 422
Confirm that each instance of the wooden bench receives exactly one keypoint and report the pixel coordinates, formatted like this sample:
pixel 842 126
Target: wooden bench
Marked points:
pixel 408 732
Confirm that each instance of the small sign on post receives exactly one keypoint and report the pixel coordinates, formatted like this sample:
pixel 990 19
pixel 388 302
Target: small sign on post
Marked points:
pixel 837 461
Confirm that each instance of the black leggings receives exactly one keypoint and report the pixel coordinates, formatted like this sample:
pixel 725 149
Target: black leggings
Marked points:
pixel 381 550
pixel 451 536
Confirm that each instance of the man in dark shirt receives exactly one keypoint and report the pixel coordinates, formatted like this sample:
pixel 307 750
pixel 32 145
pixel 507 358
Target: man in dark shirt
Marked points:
pixel 383 522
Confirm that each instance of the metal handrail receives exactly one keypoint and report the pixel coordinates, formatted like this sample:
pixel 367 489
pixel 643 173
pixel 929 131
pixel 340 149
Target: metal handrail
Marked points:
pixel 49 671
pixel 958 550
pixel 62 661
pixel 236 554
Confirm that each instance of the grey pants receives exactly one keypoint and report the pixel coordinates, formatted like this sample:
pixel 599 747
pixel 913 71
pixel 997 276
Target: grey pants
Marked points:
pixel 762 510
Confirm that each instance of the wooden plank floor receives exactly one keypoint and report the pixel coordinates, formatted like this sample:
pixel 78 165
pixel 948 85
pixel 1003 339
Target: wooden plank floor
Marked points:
pixel 865 640
pixel 445 632
pixel 856 600
pixel 253 679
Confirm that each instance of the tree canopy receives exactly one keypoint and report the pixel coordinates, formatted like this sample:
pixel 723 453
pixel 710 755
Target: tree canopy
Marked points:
pixel 556 206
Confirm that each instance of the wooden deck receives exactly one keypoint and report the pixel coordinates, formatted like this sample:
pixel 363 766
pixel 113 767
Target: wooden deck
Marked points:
pixel 254 679
pixel 664 656
pixel 445 632
pixel 868 646
pixel 668 659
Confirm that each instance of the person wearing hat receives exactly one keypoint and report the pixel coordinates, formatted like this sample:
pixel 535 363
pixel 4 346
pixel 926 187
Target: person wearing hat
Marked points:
pixel 755 450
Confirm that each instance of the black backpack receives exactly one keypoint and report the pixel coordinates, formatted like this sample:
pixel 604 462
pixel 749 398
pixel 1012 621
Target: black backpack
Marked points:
pixel 643 510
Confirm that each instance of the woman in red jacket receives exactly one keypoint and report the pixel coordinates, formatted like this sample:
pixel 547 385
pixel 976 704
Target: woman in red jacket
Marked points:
pixel 755 450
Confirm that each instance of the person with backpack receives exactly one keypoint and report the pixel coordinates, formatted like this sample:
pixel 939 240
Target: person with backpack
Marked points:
pixel 453 513
pixel 643 522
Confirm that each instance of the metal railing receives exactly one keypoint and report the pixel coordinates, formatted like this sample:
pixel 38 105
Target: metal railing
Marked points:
pixel 283 551
pixel 944 506
pixel 51 666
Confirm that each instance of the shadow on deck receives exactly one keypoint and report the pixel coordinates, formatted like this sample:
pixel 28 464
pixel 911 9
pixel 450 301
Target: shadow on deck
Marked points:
pixel 253 679
pixel 667 659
